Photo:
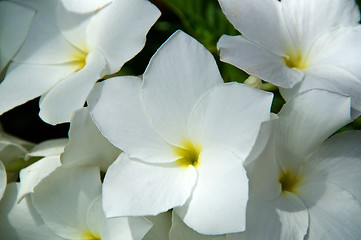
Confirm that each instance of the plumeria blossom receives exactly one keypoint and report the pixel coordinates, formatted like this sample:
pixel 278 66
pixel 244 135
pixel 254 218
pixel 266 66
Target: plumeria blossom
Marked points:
pixel 297 45
pixel 66 205
pixel 87 146
pixel 301 186
pixel 62 59
pixel 69 202
pixel 14 26
pixel 185 135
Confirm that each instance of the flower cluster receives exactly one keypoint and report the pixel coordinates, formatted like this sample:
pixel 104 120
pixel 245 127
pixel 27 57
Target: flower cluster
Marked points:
pixel 177 153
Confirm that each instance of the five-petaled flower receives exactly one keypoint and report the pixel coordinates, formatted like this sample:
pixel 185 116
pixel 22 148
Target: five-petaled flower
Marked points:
pixel 297 45
pixel 185 135
pixel 66 52
pixel 300 184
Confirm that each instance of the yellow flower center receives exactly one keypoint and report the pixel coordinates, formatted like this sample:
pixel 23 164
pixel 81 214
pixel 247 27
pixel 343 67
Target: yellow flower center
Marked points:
pixel 289 181
pixel 79 60
pixel 295 60
pixel 188 154
pixel 91 236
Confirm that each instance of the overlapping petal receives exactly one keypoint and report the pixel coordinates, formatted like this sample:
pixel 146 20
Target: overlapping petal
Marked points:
pixel 161 226
pixel 126 24
pixel 229 115
pixel 177 76
pixel 62 199
pixel 284 218
pixel 334 212
pixel 257 61
pixel 87 146
pixel 35 80
pixel 307 121
pixel 263 14
pixel 180 231
pixel 221 192
pixel 85 6
pixel 33 174
pixel 128 128
pixel 134 188
pixel 337 161
pixel 45 43
pixel 21 220
pixel 60 102
pixel 14 26
pixel 307 19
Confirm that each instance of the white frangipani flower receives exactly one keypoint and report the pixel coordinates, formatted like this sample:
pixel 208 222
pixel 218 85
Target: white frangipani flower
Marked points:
pixel 300 185
pixel 297 45
pixel 66 52
pixel 185 134
pixel 87 146
pixel 14 26
pixel 69 202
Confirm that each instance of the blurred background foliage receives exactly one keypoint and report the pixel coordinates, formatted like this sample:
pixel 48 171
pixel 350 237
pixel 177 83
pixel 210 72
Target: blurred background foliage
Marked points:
pixel 202 19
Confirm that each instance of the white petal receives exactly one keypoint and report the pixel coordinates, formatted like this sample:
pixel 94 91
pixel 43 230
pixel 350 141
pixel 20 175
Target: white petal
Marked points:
pixel 70 94
pixel 96 218
pixel 73 26
pixel 333 79
pixel 2 179
pixel 257 61
pixel 221 193
pixel 126 228
pixel 180 231
pixel 123 228
pixel 177 76
pixel 33 174
pixel 161 226
pixel 63 198
pixel 21 221
pixel 10 152
pixel 44 43
pixel 117 110
pixel 14 26
pixel 334 212
pixel 25 82
pixel 261 21
pixel 340 48
pixel 52 147
pixel 337 161
pixel 25 145
pixel 307 19
pixel 283 218
pixel 262 165
pixel 230 115
pixel 306 121
pixel 87 146
pixel 125 23
pixel 139 226
pixel 133 188
pixel 85 6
